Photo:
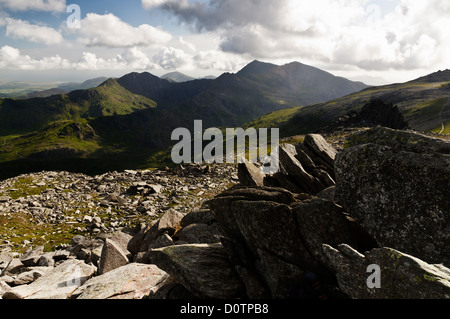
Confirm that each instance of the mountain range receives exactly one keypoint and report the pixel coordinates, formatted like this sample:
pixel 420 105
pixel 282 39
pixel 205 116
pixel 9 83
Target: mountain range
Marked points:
pixel 126 122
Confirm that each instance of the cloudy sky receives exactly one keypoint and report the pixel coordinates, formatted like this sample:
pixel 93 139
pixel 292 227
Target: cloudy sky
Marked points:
pixel 378 42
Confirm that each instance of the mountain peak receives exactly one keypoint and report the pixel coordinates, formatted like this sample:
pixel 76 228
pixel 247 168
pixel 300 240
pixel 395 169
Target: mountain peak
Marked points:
pixel 439 76
pixel 177 77
pixel 256 67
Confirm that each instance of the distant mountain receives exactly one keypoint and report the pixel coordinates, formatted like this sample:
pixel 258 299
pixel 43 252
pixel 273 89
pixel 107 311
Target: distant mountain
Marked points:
pixel 177 77
pixel 133 117
pixel 89 84
pixel 44 93
pixel 67 87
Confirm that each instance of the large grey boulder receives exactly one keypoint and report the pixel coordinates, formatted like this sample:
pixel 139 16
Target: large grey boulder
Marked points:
pixel 58 283
pixel 203 269
pixel 132 281
pixel 396 185
pixel 400 276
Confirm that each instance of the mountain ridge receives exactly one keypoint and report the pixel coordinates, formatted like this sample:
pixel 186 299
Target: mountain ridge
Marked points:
pixel 132 117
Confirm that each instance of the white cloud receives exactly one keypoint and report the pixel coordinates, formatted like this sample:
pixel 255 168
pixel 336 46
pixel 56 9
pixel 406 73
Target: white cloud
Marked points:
pixel 131 59
pixel 12 59
pixel 347 32
pixel 20 29
pixel 170 58
pixel 109 31
pixel 36 5
pixel 189 45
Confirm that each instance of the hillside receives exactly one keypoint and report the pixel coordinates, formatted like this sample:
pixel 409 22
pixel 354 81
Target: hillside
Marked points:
pixel 22 116
pixel 423 102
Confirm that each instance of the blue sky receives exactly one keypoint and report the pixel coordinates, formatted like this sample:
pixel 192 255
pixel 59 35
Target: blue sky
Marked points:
pixel 377 42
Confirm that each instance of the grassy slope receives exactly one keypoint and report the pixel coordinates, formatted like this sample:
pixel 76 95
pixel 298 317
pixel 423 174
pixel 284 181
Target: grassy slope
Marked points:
pixel 420 103
pixel 24 116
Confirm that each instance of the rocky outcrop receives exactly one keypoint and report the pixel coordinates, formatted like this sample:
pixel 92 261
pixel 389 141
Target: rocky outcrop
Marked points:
pixel 400 276
pixel 387 213
pixel 374 113
pixel 277 238
pixel 307 167
pixel 395 184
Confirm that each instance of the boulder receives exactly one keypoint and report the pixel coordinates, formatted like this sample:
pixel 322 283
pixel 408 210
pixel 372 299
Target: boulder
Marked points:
pixel 294 168
pixel 4 287
pixel 31 257
pixel 170 221
pixel 401 276
pixel 198 217
pixel 321 148
pixel 200 234
pixel 58 283
pixel 395 184
pixel 112 257
pixel 203 269
pixel 132 281
pixel 250 175
pixel 320 221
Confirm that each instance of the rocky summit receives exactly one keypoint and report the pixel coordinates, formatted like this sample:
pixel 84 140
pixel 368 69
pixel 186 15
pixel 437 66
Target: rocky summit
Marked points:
pixel 369 221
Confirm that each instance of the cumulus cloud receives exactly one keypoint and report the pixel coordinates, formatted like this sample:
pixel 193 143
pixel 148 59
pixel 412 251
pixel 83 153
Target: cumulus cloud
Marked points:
pixel 35 5
pixel 13 59
pixel 171 59
pixel 110 31
pixel 346 32
pixel 20 29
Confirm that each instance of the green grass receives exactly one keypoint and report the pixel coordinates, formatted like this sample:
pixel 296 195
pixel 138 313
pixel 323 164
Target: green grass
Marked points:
pixel 273 119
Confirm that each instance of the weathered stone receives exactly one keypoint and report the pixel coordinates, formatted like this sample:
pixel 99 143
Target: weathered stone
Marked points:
pixel 5 258
pixel 294 168
pixel 4 287
pixel 121 239
pixel 28 277
pixel 321 148
pixel 250 175
pixel 200 234
pixel 401 276
pixel 162 241
pixel 198 217
pixel 13 267
pixel 322 222
pixel 132 281
pixel 203 269
pixel 395 184
pixel 59 283
pixel 46 260
pixel 112 257
pixel 170 221
pixel 31 257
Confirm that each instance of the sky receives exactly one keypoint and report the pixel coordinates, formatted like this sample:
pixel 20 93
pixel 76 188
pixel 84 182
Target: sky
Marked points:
pixel 377 42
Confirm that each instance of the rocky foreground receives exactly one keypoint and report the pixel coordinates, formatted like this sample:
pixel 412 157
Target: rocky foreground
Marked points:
pixel 316 229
